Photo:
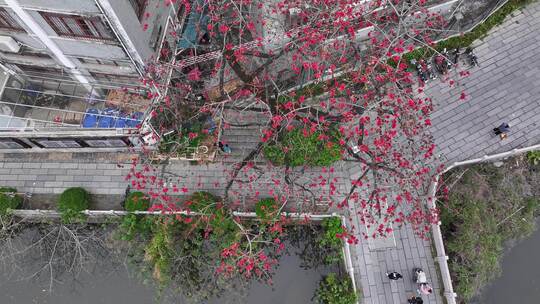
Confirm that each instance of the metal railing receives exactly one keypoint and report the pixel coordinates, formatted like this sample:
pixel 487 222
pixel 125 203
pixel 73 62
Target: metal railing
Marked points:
pixel 441 257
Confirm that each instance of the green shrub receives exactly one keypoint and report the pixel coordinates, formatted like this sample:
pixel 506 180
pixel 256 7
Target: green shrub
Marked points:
pixel 335 290
pixel 266 209
pixel 475 231
pixel 303 150
pixel 221 223
pixel 133 225
pixel 137 201
pixel 275 155
pixel 203 201
pixel 71 202
pixel 8 199
pixel 159 252
pixel 534 157
pixel 329 240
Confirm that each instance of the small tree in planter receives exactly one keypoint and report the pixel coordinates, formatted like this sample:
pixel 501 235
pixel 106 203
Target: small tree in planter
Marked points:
pixel 9 199
pixel 335 290
pixel 71 202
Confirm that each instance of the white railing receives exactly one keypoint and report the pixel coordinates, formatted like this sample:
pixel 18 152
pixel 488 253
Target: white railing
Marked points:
pixel 441 257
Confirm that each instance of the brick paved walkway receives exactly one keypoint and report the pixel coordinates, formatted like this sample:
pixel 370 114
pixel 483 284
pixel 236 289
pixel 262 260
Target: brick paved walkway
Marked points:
pixel 402 253
pixel 505 88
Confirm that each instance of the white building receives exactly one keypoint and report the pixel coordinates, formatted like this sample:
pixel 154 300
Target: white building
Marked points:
pixel 70 70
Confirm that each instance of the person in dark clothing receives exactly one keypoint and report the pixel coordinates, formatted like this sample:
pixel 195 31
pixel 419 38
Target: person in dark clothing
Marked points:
pixel 502 130
pixel 224 147
pixel 415 300
pixel 394 275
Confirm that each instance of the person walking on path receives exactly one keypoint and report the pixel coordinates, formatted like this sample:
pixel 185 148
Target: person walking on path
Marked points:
pixel 425 289
pixel 224 147
pixel 394 275
pixel 415 300
pixel 502 130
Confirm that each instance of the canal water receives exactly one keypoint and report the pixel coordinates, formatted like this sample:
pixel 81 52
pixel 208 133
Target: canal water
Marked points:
pixel 292 284
pixel 520 279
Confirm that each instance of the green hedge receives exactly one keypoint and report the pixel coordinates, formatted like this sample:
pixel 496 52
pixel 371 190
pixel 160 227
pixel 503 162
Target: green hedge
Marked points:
pixel 71 202
pixel 295 149
pixel 336 290
pixel 478 32
pixel 137 201
pixel 9 200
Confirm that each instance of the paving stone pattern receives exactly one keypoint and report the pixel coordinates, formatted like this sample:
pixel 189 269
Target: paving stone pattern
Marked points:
pixel 371 266
pixel 505 88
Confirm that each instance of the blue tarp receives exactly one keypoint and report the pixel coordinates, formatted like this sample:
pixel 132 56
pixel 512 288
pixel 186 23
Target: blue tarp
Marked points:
pixel 111 118
pixel 195 20
pixel 108 118
pixel 134 120
pixel 90 118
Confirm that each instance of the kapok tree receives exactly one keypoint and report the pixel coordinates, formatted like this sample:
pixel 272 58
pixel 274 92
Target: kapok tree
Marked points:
pixel 333 72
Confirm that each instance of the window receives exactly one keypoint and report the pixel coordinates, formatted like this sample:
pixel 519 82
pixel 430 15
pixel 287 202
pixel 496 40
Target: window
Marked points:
pixel 90 28
pixel 8 22
pixel 99 61
pixel 138 6
pixel 117 79
pixel 39 70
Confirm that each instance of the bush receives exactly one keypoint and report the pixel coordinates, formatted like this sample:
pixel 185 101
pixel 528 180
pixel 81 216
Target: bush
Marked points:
pixel 475 231
pixel 159 252
pixel 137 201
pixel 332 227
pixel 266 209
pixel 335 290
pixel 222 225
pixel 533 157
pixel 295 149
pixel 8 199
pixel 71 202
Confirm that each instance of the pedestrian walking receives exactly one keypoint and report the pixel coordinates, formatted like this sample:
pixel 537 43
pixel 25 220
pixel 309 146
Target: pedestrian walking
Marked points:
pixel 502 130
pixel 425 289
pixel 225 148
pixel 415 300
pixel 394 275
